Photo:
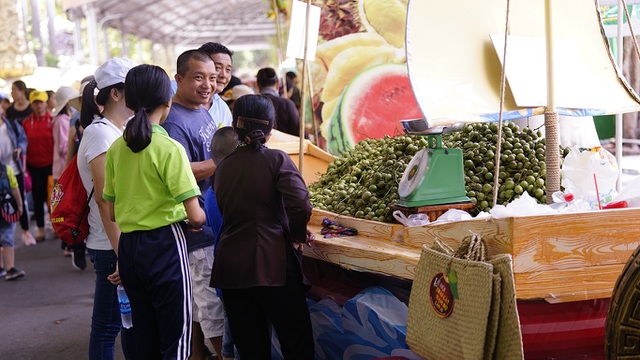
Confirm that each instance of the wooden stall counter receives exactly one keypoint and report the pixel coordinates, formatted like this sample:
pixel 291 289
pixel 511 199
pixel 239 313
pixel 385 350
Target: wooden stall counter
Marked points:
pixel 559 258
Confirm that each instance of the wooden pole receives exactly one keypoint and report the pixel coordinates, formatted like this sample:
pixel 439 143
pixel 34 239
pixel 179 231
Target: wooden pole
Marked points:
pixel 552 152
pixel 303 107
pixel 302 115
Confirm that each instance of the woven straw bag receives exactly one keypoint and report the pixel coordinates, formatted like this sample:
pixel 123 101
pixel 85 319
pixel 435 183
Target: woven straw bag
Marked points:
pixel 483 320
pixel 509 336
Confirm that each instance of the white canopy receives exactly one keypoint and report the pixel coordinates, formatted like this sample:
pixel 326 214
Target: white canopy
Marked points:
pixel 455 67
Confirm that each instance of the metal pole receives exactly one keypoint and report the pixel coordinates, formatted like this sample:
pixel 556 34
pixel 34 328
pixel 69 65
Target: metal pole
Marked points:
pixel 90 15
pixel 619 117
pixel 105 35
pixel 78 53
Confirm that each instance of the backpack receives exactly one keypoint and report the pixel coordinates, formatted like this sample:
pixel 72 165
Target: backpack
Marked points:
pixel 70 206
pixel 8 204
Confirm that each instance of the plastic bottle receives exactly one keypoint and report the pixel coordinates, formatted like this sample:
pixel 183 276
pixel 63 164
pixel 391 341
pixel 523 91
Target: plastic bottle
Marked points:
pixel 125 308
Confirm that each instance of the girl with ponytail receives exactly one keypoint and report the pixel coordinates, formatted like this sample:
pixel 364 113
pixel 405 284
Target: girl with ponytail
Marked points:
pixel 144 100
pixel 265 209
pixel 151 191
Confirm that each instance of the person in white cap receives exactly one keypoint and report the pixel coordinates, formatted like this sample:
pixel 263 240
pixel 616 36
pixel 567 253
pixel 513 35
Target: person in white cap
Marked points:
pixel 101 129
pixel 62 113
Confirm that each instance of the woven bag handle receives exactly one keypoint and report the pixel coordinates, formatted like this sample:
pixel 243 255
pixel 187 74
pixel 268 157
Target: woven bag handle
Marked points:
pixel 472 248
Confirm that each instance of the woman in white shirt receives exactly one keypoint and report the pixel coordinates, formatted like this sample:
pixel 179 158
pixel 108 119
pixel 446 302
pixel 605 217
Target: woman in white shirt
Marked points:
pixel 101 129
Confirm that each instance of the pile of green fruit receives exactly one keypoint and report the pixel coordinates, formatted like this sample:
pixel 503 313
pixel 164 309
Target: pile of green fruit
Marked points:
pixel 522 162
pixel 363 182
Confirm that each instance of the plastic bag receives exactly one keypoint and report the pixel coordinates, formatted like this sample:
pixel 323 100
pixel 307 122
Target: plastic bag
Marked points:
pixel 452 215
pixel 523 206
pixel 630 193
pixel 411 220
pixel 584 170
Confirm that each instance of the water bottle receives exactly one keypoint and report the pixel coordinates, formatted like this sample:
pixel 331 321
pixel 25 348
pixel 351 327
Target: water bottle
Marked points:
pixel 125 307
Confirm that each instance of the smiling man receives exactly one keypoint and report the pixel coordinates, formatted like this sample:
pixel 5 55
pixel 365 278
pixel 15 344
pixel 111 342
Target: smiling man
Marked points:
pixel 223 59
pixel 190 124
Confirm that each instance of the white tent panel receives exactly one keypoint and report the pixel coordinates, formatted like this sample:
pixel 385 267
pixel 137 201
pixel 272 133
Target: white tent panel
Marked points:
pixel 455 72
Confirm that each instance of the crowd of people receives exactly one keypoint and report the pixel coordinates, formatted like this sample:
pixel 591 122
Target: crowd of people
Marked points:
pixel 222 269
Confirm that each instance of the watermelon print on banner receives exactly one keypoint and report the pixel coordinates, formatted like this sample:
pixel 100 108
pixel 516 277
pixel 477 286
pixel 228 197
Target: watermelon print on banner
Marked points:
pixel 371 107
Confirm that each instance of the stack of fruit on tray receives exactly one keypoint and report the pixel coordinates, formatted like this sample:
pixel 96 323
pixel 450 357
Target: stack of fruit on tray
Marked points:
pixel 363 182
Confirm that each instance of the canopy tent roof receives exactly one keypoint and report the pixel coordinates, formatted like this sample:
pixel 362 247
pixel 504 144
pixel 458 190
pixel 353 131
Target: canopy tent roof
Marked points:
pixel 235 23
pixel 461 81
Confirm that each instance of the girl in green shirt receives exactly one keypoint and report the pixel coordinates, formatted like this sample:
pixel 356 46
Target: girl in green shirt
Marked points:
pixel 152 192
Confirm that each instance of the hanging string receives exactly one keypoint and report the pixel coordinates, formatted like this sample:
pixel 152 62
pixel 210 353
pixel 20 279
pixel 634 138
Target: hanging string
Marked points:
pixel 503 76
pixel 633 36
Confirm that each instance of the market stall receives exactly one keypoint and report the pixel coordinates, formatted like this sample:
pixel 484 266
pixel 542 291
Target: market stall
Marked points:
pixel 565 265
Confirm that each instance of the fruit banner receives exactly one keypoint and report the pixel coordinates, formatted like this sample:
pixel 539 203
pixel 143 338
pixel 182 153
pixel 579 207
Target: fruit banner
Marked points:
pixel 360 86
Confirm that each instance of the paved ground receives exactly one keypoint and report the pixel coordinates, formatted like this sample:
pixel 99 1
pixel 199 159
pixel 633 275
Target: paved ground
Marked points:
pixel 47 314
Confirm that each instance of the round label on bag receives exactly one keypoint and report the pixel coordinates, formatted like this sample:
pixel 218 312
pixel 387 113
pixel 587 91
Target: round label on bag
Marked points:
pixel 440 296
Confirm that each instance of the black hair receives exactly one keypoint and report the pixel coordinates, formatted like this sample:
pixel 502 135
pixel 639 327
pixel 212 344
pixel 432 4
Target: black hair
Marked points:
pixel 65 110
pixel 223 143
pixel 291 75
pixel 215 48
pixel 89 109
pixel 253 118
pixel 20 85
pixel 50 94
pixel 104 94
pixel 147 87
pixel 266 77
pixel 183 60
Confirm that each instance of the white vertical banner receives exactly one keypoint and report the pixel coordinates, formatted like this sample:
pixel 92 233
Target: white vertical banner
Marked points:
pixel 297 28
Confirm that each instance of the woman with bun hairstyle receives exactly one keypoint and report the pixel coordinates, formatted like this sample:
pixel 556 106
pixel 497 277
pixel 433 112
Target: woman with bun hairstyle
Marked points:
pixel 151 191
pixel 265 209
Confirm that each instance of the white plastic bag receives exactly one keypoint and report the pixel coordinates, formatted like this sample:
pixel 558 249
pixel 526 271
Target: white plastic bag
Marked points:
pixel 584 170
pixel 411 220
pixel 452 215
pixel 630 193
pixel 523 206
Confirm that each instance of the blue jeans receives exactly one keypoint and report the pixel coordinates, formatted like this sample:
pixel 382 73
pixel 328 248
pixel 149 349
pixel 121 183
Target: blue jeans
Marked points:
pixel 228 347
pixel 105 321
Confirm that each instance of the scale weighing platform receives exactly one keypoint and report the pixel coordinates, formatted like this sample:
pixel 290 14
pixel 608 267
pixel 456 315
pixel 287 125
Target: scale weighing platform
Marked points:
pixel 433 182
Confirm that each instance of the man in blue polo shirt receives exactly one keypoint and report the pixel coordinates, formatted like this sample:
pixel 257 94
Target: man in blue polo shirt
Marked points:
pixel 190 124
